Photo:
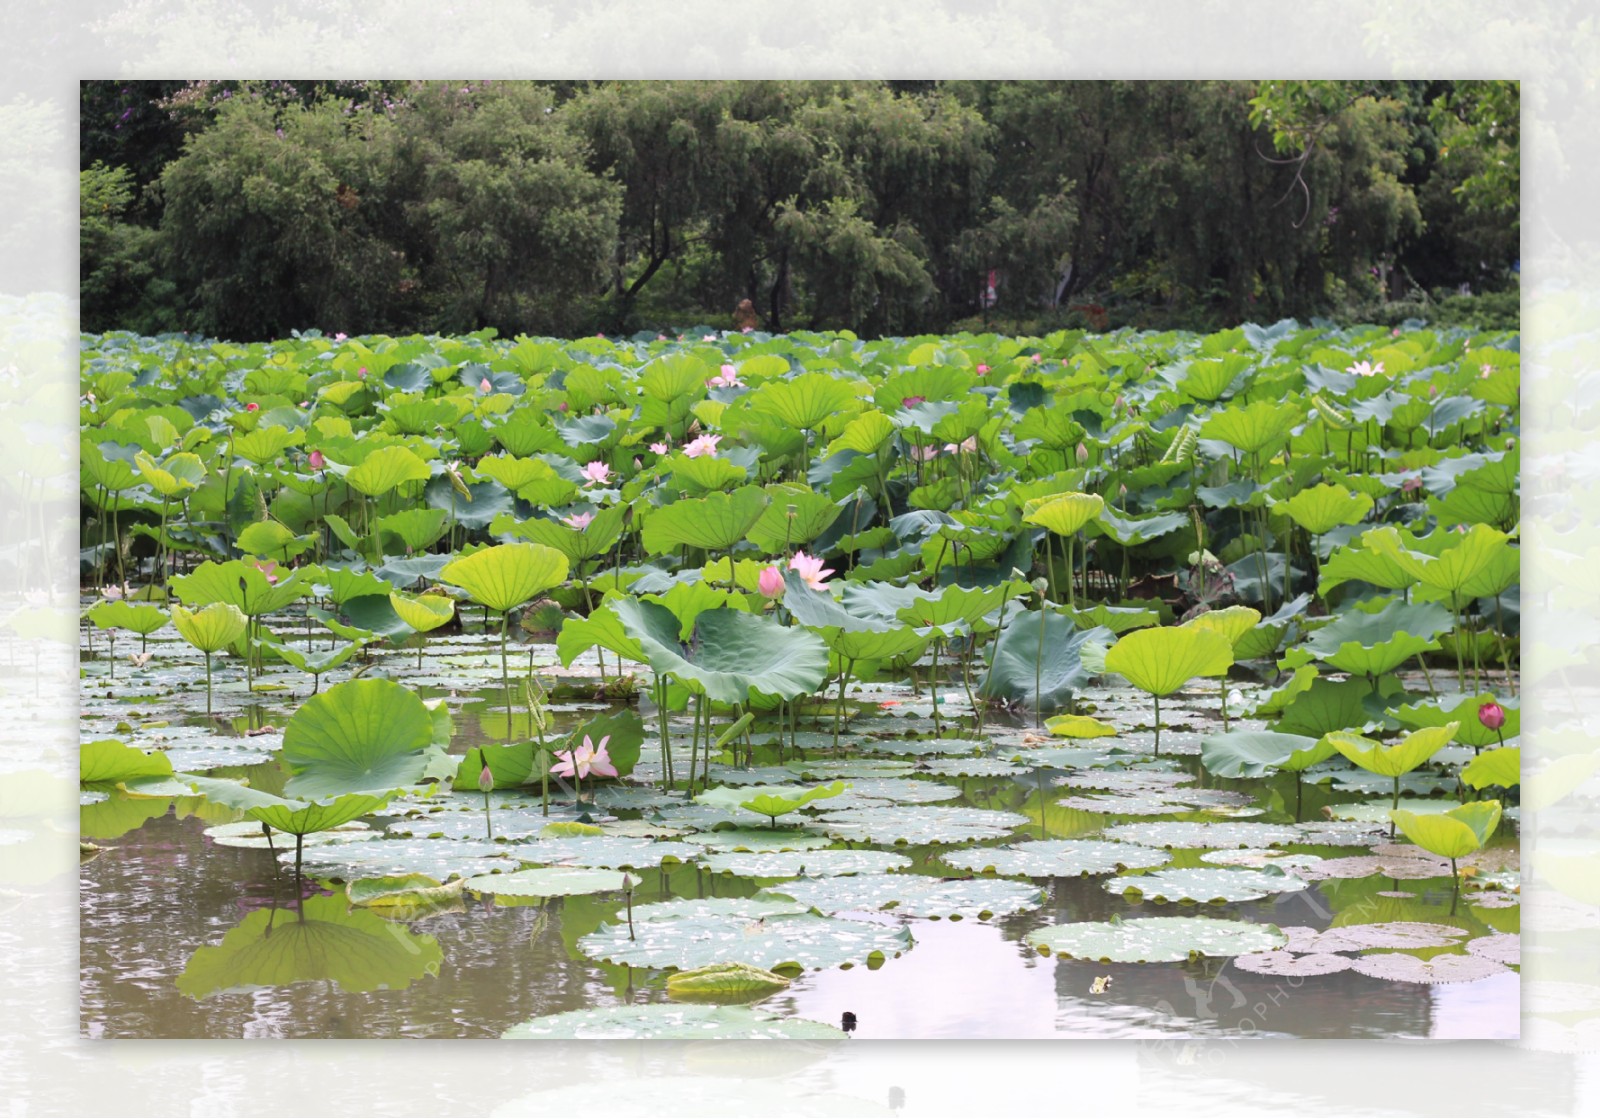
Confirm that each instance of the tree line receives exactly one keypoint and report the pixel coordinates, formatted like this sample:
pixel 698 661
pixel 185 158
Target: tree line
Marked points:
pixel 247 210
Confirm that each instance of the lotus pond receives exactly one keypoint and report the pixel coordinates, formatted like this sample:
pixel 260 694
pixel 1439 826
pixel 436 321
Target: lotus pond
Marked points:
pixel 1123 685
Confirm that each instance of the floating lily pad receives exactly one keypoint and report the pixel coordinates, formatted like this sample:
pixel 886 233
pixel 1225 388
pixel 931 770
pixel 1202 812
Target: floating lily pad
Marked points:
pixel 1157 939
pixel 550 882
pixel 1206 884
pixel 1398 934
pixel 610 852
pixel 1453 967
pixel 900 790
pixel 1133 781
pixel 1258 857
pixel 919 825
pixel 973 767
pixel 666 1020
pixel 248 833
pixel 1377 811
pixel 922 746
pixel 1334 833
pixel 1123 804
pixel 915 895
pixel 788 864
pixel 1503 948
pixel 1306 941
pixel 1063 757
pixel 1286 963
pixel 756 775
pixel 1056 858
pixel 1417 782
pixel 508 823
pixel 769 934
pixel 437 858
pixel 1185 834
pixel 633 797
pixel 1365 866
pixel 829 769
pixel 759 840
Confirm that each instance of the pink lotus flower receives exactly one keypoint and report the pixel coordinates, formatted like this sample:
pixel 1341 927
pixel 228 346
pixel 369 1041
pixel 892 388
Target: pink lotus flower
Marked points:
pixel 269 568
pixel 485 385
pixel 771 582
pixel 579 521
pixel 660 449
pixel 1484 370
pixel 913 401
pixel 923 454
pixel 596 471
pixel 1395 333
pixel 708 338
pixel 586 759
pixel 1365 368
pixel 966 446
pixel 316 460
pixel 982 369
pixel 661 337
pixel 562 407
pixel 305 404
pixel 340 337
pixel 1411 485
pixel 362 372
pixel 111 593
pixel 705 445
pixel 811 570
pixel 728 378
pixel 1492 715
pixel 1037 358
pixel 252 407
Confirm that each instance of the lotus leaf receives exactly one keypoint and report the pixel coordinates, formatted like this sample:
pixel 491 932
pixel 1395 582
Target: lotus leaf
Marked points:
pixel 1206 885
pixel 663 1020
pixel 1157 939
pixel 914 895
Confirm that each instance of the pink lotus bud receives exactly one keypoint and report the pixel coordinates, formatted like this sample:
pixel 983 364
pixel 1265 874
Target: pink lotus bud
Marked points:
pixel 562 407
pixel 913 401
pixel 771 582
pixel 1492 715
pixel 316 460
pixel 1037 358
pixel 485 780
pixel 362 372
pixel 485 385
pixel 1083 454
pixel 252 407
pixel 982 369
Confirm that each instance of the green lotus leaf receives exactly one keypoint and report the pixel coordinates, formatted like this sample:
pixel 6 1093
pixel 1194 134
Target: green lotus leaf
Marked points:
pixel 110 762
pixel 179 474
pixel 422 612
pixel 1396 760
pixel 1117 619
pixel 1366 564
pixel 311 659
pixel 1254 427
pixel 612 852
pixel 1205 885
pixel 602 628
pixel 578 545
pixel 663 1020
pixel 1374 643
pixel 790 864
pixel 688 601
pixel 1078 726
pixel 1325 507
pixel 1456 565
pixel 1463 710
pixel 293 817
pixel 325 942
pixel 1208 379
pixel 1328 705
pixel 1451 834
pixel 735 653
pixel 1162 660
pixel 1157 939
pixel 865 435
pixel 242 584
pixel 771 801
pixel 392 893
pixel 1253 753
pixel 272 539
pixel 915 825
pixel 715 522
pixel 215 627
pixel 1017 672
pixel 358 736
pixel 777 533
pixel 914 895
pixel 416 528
pixel 510 765
pixel 1501 767
pixel 1187 835
pixel 806 401
pixel 1233 622
pixel 1056 858
pixel 507 575
pixel 140 617
pixel 266 444
pixel 1063 514
pixel 386 468
pixel 1133 531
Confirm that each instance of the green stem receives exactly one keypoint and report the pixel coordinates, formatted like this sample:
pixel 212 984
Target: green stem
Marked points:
pixel 1158 724
pixel 1038 674
pixel 208 683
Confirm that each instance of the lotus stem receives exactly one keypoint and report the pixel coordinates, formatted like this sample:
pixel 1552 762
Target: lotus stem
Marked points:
pixel 266 831
pixel 505 672
pixel 1038 672
pixel 299 849
pixel 1394 804
pixel 208 683
pixel 1158 724
pixel 938 731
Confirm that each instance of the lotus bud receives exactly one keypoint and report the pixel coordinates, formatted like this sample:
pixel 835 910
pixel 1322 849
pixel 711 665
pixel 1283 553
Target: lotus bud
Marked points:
pixel 252 407
pixel 485 385
pixel 362 372
pixel 1040 586
pixel 1083 454
pixel 771 582
pixel 485 780
pixel 982 369
pixel 317 460
pixel 1492 715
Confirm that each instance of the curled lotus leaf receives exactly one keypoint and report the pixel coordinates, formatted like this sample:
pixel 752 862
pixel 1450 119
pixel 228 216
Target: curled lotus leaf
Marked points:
pixel 724 983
